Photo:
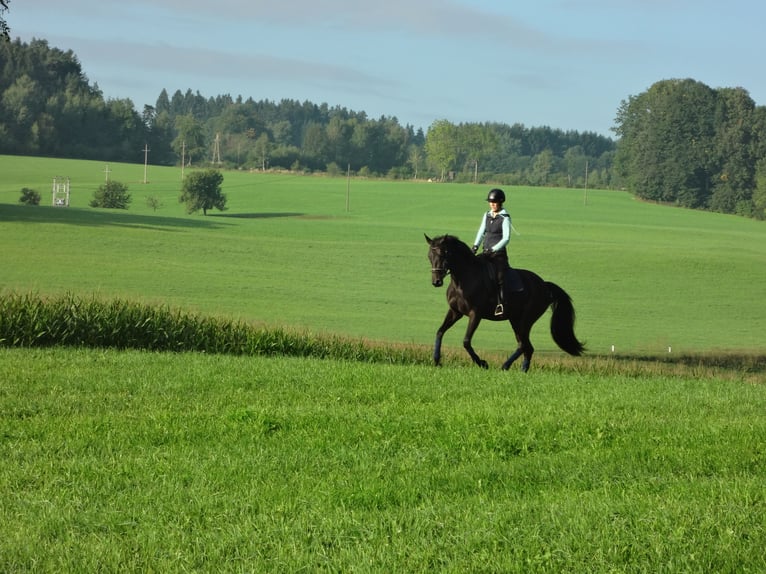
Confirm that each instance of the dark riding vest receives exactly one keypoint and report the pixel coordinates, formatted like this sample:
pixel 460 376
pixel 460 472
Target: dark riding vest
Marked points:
pixel 493 230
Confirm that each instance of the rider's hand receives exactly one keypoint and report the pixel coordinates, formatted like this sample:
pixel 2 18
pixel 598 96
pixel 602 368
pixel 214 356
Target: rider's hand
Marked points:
pixel 475 248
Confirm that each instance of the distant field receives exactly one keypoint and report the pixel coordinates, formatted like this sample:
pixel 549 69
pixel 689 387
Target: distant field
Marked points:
pixel 643 277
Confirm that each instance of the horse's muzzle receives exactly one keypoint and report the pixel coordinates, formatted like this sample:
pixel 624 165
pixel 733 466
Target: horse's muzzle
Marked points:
pixel 437 282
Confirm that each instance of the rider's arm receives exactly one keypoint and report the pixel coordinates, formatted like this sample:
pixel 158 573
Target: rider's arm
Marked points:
pixel 480 234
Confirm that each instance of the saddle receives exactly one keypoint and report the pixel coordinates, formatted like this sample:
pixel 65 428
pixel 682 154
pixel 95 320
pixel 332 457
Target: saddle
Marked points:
pixel 511 280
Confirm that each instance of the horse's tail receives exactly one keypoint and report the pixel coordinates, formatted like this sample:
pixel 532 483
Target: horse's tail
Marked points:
pixel 562 321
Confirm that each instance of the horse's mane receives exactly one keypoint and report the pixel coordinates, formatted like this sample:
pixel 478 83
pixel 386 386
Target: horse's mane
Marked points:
pixel 453 243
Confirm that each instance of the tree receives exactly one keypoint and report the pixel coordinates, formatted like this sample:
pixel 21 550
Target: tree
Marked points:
pixel 415 159
pixel 441 145
pixel 153 202
pixel 476 143
pixel 666 150
pixel 542 168
pixel 314 143
pixel 202 190
pixel 29 196
pixel 5 31
pixel 759 193
pixel 261 150
pixel 190 142
pixel 112 195
pixel 575 161
pixel 686 143
pixel 734 152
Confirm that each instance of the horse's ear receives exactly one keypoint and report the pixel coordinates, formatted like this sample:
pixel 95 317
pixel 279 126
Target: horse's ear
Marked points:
pixel 428 239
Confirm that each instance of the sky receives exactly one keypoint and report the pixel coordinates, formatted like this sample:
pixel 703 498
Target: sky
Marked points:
pixel 565 64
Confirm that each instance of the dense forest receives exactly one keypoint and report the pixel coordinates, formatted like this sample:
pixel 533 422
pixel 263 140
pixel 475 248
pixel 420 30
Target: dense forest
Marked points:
pixel 680 142
pixel 683 142
pixel 48 107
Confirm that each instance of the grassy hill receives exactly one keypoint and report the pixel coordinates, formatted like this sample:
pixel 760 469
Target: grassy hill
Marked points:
pixel 331 256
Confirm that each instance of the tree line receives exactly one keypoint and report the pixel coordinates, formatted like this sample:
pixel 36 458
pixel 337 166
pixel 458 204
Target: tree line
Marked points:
pixel 685 143
pixel 48 107
pixel 679 142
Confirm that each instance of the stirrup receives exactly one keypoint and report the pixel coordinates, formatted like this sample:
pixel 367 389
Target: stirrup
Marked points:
pixel 499 309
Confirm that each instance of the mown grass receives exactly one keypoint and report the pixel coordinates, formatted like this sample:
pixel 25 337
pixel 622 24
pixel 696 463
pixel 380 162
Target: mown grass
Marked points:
pixel 141 461
pixel 287 253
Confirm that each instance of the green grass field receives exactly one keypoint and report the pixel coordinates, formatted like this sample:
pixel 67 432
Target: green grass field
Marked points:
pixel 137 462
pixel 643 277
pixel 133 461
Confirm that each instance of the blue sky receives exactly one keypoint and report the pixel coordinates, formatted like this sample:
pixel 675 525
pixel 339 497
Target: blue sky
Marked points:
pixel 566 64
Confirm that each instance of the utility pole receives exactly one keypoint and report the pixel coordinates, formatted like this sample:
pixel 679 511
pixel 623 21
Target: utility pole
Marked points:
pixel 348 187
pixel 106 171
pixel 217 150
pixel 586 183
pixel 183 158
pixel 146 159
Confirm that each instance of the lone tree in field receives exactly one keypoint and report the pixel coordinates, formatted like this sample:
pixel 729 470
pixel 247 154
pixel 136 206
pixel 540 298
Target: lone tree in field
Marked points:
pixel 112 195
pixel 29 196
pixel 202 190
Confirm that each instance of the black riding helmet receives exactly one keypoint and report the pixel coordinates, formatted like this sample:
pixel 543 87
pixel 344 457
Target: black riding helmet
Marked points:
pixel 496 196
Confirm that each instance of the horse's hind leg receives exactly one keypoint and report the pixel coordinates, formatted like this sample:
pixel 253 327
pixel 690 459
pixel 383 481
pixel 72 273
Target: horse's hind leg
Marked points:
pixel 524 346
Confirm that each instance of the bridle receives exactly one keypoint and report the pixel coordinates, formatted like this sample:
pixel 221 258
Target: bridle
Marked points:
pixel 443 270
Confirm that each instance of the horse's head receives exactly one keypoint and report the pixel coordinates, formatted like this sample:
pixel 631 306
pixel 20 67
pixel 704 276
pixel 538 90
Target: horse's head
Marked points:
pixel 438 255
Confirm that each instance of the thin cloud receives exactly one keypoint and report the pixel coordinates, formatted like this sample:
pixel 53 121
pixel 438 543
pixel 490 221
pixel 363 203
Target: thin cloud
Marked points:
pixel 214 63
pixel 429 18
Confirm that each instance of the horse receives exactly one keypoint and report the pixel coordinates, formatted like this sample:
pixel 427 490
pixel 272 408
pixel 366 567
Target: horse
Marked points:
pixel 473 292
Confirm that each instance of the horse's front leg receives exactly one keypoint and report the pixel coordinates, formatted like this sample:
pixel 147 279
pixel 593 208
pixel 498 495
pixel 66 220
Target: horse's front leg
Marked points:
pixel 450 319
pixel 516 354
pixel 473 323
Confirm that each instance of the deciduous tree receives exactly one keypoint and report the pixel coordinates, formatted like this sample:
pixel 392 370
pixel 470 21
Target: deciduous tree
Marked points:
pixel 202 190
pixel 441 145
pixel 112 195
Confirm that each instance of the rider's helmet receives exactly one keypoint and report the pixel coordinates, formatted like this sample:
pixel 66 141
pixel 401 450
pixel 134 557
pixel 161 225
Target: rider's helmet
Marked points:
pixel 496 196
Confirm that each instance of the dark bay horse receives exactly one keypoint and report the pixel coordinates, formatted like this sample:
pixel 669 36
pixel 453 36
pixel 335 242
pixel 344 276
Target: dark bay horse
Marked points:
pixel 473 292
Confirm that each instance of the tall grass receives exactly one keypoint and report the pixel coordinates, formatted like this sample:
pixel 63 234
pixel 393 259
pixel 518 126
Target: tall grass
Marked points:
pixel 28 320
pixel 33 321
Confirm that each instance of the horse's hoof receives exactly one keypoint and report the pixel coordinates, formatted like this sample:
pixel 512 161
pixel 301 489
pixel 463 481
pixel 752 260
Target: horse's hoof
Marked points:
pixel 484 364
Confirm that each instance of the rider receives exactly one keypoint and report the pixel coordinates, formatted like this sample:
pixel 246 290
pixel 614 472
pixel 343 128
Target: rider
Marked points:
pixel 495 230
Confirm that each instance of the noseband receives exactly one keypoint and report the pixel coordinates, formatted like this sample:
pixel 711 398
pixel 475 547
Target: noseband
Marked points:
pixel 444 270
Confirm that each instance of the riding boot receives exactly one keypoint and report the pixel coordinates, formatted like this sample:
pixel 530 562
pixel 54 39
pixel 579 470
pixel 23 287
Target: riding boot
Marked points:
pixel 499 309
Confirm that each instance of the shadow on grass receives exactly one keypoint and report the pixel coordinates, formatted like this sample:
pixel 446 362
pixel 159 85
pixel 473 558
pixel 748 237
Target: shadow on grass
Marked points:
pixel 732 361
pixel 101 217
pixel 745 365
pixel 270 215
